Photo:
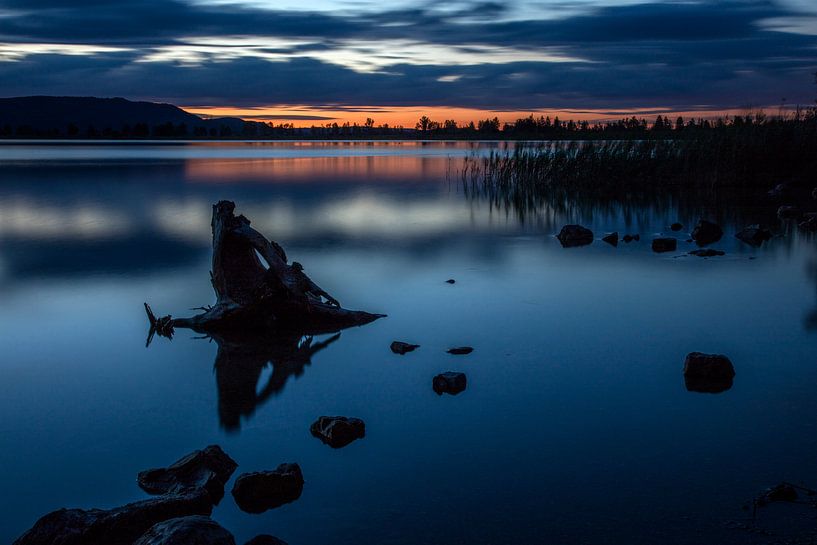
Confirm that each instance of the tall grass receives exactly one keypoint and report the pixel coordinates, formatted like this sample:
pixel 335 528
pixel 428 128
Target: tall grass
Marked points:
pixel 736 163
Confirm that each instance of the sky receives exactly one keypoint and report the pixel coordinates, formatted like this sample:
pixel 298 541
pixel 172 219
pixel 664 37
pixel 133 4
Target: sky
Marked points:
pixel 321 61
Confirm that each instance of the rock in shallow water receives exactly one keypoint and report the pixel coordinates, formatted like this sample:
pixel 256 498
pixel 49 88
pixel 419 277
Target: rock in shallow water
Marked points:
pixel 676 226
pixel 754 235
pixel 708 373
pixel 118 526
pixel 399 347
pixel 208 469
pixel 575 235
pixel 460 350
pixel 660 245
pixel 257 492
pixel 338 431
pixel 265 539
pixel 449 383
pixel 190 486
pixel 780 492
pixel 195 530
pixel 611 238
pixel 706 232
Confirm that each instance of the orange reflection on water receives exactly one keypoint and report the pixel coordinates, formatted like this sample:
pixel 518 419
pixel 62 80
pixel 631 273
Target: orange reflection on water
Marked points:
pixel 311 169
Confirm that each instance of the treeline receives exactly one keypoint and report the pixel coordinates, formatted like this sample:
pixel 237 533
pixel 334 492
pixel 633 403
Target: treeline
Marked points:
pixel 527 128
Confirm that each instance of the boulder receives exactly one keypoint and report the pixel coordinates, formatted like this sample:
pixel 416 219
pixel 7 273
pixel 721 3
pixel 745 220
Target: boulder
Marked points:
pixel 676 226
pixel 706 232
pixel 449 383
pixel 338 431
pixel 708 373
pixel 788 212
pixel 611 238
pixel 208 469
pixel 118 526
pixel 450 281
pixel 265 539
pixel 460 350
pixel 399 347
pixel 707 252
pixel 754 235
pixel 257 492
pixel 194 530
pixel 814 193
pixel 575 235
pixel 661 245
pixel 629 238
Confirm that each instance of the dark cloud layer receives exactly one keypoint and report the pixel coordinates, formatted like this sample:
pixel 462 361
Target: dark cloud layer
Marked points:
pixel 678 55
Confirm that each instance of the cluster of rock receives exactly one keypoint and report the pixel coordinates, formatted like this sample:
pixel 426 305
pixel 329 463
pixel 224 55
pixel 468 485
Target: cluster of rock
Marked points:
pixel 450 382
pixel 179 514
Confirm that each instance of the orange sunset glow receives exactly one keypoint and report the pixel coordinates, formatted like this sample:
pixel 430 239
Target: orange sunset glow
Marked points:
pixel 407 116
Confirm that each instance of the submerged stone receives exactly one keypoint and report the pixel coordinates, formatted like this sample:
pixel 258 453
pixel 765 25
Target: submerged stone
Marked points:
pixel 449 382
pixel 629 238
pixel 660 245
pixel 611 238
pixel 706 232
pixel 707 252
pixel 193 530
pixel 708 373
pixel 399 347
pixel 780 492
pixel 338 431
pixel 676 226
pixel 754 235
pixel 450 281
pixel 575 235
pixel 460 350
pixel 263 490
pixel 265 539
pixel 788 212
pixel 810 224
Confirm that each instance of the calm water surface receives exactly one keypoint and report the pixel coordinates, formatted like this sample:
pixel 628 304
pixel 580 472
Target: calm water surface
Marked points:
pixel 576 426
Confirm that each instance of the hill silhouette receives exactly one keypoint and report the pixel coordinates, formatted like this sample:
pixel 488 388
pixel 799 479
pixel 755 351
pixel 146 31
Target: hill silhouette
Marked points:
pixel 50 116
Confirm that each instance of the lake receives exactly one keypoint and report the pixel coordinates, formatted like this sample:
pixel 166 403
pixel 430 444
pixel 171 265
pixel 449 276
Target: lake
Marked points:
pixel 576 425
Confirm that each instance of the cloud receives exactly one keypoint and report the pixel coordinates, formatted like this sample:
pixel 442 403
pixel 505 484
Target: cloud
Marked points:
pixel 591 54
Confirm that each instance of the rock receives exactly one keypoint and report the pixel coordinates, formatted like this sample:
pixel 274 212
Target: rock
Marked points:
pixel 779 190
pixel 814 193
pixel 754 235
pixel 575 235
pixel 707 252
pixel 449 383
pixel 611 238
pixel 399 347
pixel 257 492
pixel 194 530
pixel 708 373
pixel 780 492
pixel 809 224
pixel 660 245
pixel 460 350
pixel 208 469
pixel 629 238
pixel 265 539
pixel 338 431
pixel 788 212
pixel 190 486
pixel 706 232
pixel 450 281
pixel 119 526
pixel 676 226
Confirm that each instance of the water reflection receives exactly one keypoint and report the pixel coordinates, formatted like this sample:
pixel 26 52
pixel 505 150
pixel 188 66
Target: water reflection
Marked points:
pixel 241 362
